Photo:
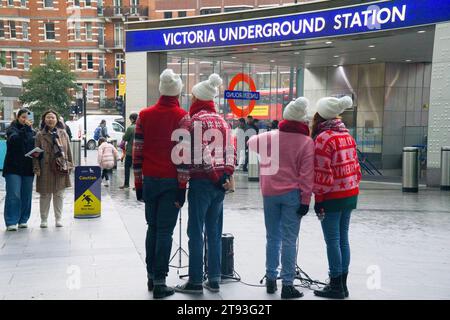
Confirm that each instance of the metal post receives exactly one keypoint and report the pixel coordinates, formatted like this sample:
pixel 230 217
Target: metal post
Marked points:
pixel 85 124
pixel 445 168
pixel 410 169
pixel 253 167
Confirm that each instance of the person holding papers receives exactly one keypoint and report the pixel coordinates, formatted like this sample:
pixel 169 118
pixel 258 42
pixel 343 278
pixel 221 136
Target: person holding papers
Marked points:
pixel 18 171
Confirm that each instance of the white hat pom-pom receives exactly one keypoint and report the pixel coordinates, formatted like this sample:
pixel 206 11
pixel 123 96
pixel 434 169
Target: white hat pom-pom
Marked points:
pixel 345 102
pixel 215 80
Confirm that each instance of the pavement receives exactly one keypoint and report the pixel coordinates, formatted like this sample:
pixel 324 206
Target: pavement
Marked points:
pixel 399 248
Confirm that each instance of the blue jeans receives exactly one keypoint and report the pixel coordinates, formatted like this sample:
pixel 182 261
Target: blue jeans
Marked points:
pixel 205 212
pixel 19 192
pixel 282 229
pixel 335 227
pixel 161 214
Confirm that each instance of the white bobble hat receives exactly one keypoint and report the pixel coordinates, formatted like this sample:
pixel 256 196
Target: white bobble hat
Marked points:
pixel 170 83
pixel 330 107
pixel 209 89
pixel 296 110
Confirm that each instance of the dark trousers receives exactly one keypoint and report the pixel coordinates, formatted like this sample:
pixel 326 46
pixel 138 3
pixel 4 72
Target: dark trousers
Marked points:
pixel 128 165
pixel 106 174
pixel 161 215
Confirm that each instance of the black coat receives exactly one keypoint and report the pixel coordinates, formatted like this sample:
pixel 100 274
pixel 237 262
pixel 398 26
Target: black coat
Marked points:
pixel 20 140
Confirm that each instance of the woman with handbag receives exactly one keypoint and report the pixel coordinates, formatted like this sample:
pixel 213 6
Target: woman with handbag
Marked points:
pixel 53 167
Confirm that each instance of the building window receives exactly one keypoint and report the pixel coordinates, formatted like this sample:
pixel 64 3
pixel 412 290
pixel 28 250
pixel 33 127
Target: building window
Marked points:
pixel 23 3
pixel 48 3
pixel 50 56
pixel 13 60
pixel 90 92
pixel 100 7
pixel 117 7
pixel 101 64
pixel 12 29
pixel 50 31
pixel 168 15
pixel 76 3
pixel 210 11
pixel 120 64
pixel 134 6
pixel 2 29
pixel 90 61
pixel 77 31
pixel 78 61
pixel 88 30
pixel 118 34
pixel 182 14
pixel 26 61
pixel 88 3
pixel 25 30
pixel 101 34
pixel 102 89
pixel 3 58
pixel 11 3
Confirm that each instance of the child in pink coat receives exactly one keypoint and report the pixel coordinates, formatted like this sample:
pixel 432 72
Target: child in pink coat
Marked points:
pixel 287 179
pixel 106 158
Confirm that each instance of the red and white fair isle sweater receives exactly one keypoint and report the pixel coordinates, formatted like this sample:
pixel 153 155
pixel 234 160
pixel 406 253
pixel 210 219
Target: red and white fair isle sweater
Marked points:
pixel 336 165
pixel 212 150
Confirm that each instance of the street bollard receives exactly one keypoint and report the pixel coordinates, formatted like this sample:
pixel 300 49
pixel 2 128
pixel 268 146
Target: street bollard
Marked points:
pixel 114 143
pixel 411 168
pixel 445 168
pixel 253 166
pixel 75 145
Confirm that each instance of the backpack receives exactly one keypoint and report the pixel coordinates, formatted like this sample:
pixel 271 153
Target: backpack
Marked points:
pixel 97 133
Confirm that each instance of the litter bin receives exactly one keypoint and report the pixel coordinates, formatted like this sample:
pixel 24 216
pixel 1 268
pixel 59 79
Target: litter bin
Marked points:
pixel 76 151
pixel 253 167
pixel 445 168
pixel 410 169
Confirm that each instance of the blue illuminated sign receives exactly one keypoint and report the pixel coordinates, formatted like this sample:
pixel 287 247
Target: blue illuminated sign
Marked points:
pixel 241 95
pixel 369 17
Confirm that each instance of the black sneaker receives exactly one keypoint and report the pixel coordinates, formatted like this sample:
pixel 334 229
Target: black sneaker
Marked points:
pixel 271 286
pixel 289 292
pixel 150 285
pixel 212 286
pixel 162 291
pixel 189 288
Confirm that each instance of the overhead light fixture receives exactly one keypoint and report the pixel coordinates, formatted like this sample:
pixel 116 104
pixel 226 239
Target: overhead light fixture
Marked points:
pixel 233 57
pixel 408 60
pixel 336 56
pixel 297 52
pixel 285 44
pixel 272 61
pixel 421 31
pixel 373 59
pixel 372 46
pixel 255 49
pixel 329 42
pixel 335 65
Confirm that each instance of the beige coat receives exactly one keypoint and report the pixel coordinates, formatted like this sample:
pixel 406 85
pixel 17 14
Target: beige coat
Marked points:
pixel 48 181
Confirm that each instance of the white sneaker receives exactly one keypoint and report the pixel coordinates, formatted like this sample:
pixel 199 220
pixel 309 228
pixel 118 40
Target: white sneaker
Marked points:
pixel 59 224
pixel 12 227
pixel 23 226
pixel 44 224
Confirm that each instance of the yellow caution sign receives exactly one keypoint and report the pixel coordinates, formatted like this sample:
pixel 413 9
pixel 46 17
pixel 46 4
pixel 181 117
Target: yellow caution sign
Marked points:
pixel 122 85
pixel 87 192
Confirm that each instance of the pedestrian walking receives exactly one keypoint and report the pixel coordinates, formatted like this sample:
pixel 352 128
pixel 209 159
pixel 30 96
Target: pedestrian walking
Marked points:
pixel 107 157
